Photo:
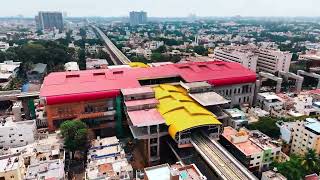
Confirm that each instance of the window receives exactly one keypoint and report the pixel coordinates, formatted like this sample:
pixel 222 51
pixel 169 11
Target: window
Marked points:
pixel 20 134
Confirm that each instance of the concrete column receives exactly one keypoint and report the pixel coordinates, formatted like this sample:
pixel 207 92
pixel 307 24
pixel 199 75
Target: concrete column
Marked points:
pixel 278 87
pixel 299 82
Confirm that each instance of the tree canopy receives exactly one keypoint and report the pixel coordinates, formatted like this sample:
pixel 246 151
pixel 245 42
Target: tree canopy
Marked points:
pixel 299 166
pixel 75 134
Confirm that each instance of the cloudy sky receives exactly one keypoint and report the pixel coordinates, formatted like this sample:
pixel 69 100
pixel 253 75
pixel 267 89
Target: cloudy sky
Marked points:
pixel 164 8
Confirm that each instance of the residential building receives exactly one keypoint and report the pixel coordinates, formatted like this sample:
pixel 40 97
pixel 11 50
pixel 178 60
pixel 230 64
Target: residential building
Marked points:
pixel 71 66
pixel 256 58
pixel 305 136
pixel 12 167
pixel 273 60
pixel 253 149
pixel 269 101
pixel 303 104
pixel 237 118
pixel 53 169
pixel 49 20
pixel 107 160
pixel 239 54
pixel 272 175
pixel 8 71
pixel 96 63
pixel 15 134
pixel 37 74
pixel 137 18
pixel 174 172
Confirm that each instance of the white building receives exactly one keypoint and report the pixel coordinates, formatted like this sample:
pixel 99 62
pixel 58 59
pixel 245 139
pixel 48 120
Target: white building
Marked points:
pixel 12 168
pixel 306 135
pixel 269 101
pixel 255 58
pixel 53 169
pixel 272 175
pixel 303 104
pixel 8 71
pixel 237 118
pixel 237 54
pixel 106 160
pixel 273 60
pixel 71 66
pixel 96 63
pixel 15 134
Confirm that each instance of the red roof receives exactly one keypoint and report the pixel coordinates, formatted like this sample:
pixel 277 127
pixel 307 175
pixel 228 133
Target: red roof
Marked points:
pixel 80 84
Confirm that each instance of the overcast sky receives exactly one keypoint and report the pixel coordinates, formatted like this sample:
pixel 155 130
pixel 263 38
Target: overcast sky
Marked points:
pixel 164 8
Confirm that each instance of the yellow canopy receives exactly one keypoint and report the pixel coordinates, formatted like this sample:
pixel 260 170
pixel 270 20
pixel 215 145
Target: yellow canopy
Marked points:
pixel 180 111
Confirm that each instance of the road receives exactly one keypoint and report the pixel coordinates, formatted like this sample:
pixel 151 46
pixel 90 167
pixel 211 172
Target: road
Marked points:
pixel 116 55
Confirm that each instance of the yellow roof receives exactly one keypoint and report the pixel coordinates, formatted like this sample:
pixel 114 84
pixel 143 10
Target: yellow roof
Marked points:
pixel 180 111
pixel 138 64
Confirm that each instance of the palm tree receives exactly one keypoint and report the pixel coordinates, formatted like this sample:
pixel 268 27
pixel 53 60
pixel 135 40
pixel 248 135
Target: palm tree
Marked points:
pixel 310 162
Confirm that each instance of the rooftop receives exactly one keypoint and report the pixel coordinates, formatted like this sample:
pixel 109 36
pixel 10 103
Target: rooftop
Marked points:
pixel 165 172
pixel 139 90
pixel 269 96
pixel 312 124
pixel 248 142
pixel 271 175
pixel 101 83
pixel 209 98
pixel 147 117
pixel 9 164
pixel 235 112
pixel 46 170
pixel 39 68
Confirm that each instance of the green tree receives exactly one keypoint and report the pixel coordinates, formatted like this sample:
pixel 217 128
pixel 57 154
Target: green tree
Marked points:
pixel 75 134
pixel 267 125
pixel 161 49
pixel 200 50
pixel 310 162
pixel 82 59
pixel 292 169
pixel 2 56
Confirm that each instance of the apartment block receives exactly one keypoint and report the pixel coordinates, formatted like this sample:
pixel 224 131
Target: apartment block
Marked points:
pixel 305 136
pixel 253 149
pixel 12 167
pixel 16 134
pixel 273 60
pixel 239 54
pixel 255 58
pixel 107 160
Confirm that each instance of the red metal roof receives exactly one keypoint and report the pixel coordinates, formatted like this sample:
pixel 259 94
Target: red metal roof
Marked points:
pixel 76 86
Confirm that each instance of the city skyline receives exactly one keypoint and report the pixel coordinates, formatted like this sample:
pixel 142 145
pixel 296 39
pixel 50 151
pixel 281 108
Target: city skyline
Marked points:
pixel 165 8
